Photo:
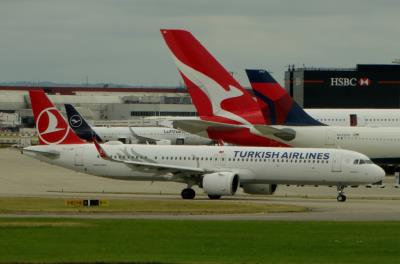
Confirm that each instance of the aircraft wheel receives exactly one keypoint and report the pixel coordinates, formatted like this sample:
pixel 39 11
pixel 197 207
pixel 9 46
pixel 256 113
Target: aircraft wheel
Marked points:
pixel 214 197
pixel 341 198
pixel 188 193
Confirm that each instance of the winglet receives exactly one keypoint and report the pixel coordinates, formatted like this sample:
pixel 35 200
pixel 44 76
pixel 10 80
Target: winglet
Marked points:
pixel 101 151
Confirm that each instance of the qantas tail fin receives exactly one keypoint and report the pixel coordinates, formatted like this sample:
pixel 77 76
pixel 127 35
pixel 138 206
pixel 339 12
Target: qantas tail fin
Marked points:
pixel 215 93
pixel 276 104
pixel 79 124
pixel 50 124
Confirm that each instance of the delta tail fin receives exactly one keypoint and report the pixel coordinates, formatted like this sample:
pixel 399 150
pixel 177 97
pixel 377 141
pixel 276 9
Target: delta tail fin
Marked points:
pixel 216 95
pixel 79 124
pixel 50 124
pixel 276 104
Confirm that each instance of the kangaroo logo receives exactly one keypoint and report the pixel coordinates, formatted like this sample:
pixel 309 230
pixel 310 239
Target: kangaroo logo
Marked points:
pixel 50 129
pixel 75 121
pixel 214 91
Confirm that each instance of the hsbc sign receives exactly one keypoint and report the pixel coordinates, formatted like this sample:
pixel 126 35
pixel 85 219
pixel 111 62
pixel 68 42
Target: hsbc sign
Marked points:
pixel 343 81
pixel 340 81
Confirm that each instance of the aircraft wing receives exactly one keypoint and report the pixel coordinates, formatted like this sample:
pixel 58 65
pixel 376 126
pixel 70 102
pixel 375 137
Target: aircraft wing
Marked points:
pixel 173 170
pixel 47 153
pixel 142 138
pixel 200 127
pixel 282 133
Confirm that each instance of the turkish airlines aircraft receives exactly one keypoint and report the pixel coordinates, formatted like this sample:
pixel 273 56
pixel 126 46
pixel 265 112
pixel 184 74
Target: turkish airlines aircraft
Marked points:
pixel 219 170
pixel 290 127
pixel 332 117
pixel 156 135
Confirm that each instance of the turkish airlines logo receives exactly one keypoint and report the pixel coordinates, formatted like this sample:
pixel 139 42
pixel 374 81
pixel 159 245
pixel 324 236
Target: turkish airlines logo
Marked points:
pixel 75 121
pixel 364 82
pixel 50 129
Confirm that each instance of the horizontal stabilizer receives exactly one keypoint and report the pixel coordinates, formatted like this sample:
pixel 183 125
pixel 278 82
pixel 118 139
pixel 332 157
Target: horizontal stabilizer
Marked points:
pixel 200 127
pixel 286 134
pixel 47 153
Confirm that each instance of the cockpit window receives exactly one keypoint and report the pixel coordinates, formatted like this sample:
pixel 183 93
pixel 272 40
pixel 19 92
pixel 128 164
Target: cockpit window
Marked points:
pixel 362 161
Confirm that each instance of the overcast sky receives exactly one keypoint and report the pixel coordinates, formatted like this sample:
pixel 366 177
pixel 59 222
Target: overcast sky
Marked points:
pixel 119 41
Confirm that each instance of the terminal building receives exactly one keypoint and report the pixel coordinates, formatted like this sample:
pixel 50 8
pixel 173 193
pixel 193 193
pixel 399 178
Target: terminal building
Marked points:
pixel 101 104
pixel 365 86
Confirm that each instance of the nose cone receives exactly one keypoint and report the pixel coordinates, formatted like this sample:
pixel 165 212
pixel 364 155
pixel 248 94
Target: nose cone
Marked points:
pixel 378 174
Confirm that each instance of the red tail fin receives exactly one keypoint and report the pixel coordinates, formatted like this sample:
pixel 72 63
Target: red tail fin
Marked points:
pixel 50 124
pixel 214 91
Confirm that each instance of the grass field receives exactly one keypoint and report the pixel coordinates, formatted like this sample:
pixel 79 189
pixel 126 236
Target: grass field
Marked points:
pixel 158 241
pixel 169 206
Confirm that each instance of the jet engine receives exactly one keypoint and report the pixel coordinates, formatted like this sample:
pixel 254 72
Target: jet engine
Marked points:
pixel 220 183
pixel 253 188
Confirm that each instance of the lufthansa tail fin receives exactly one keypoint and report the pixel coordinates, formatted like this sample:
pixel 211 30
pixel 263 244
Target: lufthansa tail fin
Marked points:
pixel 215 93
pixel 50 124
pixel 276 104
pixel 79 124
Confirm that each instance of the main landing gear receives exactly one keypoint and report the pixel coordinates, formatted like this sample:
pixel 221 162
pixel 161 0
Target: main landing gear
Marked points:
pixel 341 197
pixel 188 193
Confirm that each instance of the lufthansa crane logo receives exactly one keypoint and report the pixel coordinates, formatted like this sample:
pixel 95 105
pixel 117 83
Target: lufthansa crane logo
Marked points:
pixel 50 129
pixel 75 121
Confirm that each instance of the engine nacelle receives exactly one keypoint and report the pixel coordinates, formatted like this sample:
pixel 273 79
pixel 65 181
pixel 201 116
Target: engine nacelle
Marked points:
pixel 253 188
pixel 220 183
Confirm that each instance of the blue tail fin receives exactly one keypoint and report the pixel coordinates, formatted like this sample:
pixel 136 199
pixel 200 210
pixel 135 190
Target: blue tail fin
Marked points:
pixel 276 104
pixel 79 125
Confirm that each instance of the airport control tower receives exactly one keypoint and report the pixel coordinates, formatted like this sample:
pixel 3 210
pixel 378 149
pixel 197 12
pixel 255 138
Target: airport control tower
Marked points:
pixel 366 86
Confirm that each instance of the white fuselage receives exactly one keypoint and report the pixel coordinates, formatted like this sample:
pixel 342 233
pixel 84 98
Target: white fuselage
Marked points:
pixel 357 117
pixel 144 134
pixel 252 164
pixel 381 144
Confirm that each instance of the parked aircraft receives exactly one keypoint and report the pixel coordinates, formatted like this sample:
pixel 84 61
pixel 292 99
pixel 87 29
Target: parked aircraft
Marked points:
pixel 331 117
pixel 219 170
pixel 156 135
pixel 217 96
pixel 293 128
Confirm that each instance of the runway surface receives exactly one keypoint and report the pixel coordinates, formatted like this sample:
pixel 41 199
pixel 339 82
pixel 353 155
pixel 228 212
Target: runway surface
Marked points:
pixel 24 176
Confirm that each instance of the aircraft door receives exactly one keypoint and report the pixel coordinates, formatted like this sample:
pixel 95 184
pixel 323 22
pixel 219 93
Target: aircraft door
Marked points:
pixel 180 141
pixel 79 157
pixel 330 137
pixel 353 120
pixel 219 159
pixel 337 162
pixel 356 120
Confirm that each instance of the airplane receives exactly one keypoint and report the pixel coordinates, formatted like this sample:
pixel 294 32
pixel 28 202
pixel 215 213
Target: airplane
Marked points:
pixel 155 135
pixel 333 117
pixel 203 74
pixel 219 170
pixel 224 104
pixel 381 144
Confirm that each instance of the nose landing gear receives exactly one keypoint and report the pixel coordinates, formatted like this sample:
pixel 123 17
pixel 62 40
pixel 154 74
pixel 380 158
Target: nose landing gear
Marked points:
pixel 341 197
